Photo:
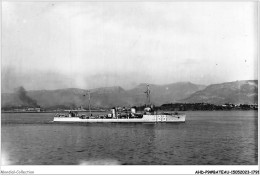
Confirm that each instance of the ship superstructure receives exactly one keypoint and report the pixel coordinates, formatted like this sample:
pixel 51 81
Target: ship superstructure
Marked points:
pixel 124 115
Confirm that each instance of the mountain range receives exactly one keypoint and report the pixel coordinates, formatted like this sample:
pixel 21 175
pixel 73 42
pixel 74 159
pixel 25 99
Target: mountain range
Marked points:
pixel 239 92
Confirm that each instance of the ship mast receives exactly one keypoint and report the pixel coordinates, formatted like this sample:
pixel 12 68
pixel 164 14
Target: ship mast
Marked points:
pixel 148 95
pixel 88 92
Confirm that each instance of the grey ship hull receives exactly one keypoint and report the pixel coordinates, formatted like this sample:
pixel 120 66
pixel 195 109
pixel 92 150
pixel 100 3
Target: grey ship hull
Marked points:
pixel 144 119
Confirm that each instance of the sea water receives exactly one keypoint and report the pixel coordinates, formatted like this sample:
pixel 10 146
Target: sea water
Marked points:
pixel 206 138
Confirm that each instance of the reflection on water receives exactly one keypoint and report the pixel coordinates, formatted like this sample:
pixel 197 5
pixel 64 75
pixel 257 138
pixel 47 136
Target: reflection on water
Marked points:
pixel 207 138
pixel 4 158
pixel 99 162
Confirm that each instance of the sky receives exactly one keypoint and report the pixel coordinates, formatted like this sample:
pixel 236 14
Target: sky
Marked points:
pixel 52 45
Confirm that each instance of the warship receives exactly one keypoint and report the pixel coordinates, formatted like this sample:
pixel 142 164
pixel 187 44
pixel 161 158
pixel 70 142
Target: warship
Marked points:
pixel 123 115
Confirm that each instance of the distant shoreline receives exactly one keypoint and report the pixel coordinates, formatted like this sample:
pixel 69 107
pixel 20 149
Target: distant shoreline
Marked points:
pixel 46 111
pixel 108 111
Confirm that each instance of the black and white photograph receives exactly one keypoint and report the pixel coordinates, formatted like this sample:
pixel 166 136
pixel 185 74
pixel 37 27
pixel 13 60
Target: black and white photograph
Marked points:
pixel 151 84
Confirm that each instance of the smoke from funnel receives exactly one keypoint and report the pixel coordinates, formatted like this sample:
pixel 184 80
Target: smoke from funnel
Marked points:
pixel 25 98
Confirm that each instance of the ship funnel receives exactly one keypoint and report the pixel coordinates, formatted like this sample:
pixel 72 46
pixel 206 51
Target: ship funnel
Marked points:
pixel 133 110
pixel 113 112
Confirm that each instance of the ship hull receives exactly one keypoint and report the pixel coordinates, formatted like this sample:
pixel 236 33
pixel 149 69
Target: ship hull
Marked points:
pixel 144 119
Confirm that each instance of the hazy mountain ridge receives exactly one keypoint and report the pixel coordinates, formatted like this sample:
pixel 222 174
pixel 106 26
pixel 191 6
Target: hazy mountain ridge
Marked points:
pixel 105 96
pixel 232 92
pixel 161 94
pixel 238 92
